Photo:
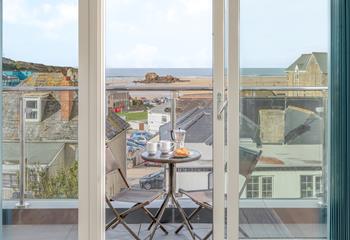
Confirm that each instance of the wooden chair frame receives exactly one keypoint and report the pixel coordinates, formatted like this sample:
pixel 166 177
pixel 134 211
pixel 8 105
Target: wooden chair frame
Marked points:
pixel 119 218
pixel 209 206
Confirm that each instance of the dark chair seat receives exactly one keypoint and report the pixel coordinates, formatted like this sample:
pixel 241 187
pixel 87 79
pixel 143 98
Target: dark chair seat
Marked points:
pixel 203 198
pixel 248 160
pixel 137 196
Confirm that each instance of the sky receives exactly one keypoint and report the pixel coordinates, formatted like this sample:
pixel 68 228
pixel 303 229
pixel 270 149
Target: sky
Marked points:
pixel 165 33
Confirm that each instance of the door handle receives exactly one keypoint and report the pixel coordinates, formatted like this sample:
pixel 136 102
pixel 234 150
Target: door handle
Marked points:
pixel 221 110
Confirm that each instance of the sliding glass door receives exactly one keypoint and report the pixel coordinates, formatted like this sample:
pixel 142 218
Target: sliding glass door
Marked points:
pixel 160 74
pixel 234 93
pixel 283 119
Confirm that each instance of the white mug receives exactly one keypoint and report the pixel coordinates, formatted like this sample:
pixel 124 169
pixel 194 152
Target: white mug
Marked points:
pixel 152 147
pixel 165 146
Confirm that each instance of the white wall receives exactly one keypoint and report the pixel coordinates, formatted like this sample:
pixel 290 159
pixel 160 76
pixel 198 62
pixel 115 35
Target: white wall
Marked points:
pixel 155 121
pixel 286 184
pixel 192 180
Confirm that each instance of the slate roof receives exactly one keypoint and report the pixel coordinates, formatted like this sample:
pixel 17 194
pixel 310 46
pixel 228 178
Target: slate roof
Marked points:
pixel 184 104
pixel 198 125
pixel 292 155
pixel 52 127
pixel 41 79
pixel 301 127
pixel 37 153
pixel 115 125
pixel 303 60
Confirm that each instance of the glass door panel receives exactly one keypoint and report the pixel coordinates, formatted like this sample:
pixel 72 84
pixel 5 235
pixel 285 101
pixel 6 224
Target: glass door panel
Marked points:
pixel 283 116
pixel 40 120
pixel 159 79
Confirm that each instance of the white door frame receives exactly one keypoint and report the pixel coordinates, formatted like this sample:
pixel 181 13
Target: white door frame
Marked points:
pixel 91 120
pixel 233 112
pixel 218 124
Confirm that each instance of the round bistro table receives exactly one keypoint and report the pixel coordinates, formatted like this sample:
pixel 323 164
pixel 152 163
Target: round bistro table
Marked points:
pixel 171 161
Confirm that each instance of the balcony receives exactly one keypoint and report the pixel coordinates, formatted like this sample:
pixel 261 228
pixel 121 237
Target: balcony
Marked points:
pixel 286 197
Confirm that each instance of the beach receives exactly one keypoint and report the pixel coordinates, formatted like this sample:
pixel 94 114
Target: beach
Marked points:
pixel 188 82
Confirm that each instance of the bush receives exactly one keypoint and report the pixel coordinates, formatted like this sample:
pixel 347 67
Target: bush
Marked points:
pixel 64 184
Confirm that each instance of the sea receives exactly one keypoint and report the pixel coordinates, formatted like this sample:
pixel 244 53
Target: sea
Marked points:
pixel 188 72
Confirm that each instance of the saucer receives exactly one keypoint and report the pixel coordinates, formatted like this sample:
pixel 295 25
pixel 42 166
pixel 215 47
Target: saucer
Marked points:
pixel 166 153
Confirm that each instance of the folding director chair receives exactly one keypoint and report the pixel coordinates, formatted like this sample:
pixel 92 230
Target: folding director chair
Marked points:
pixel 204 198
pixel 139 197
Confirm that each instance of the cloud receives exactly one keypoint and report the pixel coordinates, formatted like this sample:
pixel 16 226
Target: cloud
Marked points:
pixel 13 11
pixel 197 7
pixel 141 55
pixel 49 18
pixel 155 33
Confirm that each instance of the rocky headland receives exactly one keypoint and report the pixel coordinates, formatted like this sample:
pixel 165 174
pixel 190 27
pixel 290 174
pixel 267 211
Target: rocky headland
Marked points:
pixel 12 65
pixel 153 77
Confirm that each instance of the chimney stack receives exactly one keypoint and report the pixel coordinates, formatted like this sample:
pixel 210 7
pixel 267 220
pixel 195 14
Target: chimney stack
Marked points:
pixel 66 100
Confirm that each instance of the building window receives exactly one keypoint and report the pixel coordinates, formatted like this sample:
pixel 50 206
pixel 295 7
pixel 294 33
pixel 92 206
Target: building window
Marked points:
pixel 260 187
pixel 310 186
pixel 318 185
pixel 266 185
pixel 32 109
pixel 253 187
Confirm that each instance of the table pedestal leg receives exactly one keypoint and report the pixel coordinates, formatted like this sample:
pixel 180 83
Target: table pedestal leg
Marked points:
pixel 170 196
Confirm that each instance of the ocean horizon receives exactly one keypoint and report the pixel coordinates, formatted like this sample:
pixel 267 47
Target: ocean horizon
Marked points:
pixel 186 72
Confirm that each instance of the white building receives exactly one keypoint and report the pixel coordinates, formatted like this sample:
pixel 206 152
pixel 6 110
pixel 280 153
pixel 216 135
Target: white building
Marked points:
pixel 296 174
pixel 158 116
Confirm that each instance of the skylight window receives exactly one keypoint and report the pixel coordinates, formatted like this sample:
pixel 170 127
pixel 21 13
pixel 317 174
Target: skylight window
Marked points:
pixel 32 109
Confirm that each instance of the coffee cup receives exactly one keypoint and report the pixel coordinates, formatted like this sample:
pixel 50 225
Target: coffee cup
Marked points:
pixel 152 147
pixel 165 146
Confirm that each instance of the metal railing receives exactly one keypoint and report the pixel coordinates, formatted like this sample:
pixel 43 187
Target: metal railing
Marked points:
pixel 134 88
pixel 163 87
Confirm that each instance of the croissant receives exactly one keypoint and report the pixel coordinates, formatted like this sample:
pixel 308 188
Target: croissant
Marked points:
pixel 182 152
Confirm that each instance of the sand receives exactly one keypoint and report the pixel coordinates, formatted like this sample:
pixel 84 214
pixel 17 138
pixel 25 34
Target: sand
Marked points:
pixel 189 81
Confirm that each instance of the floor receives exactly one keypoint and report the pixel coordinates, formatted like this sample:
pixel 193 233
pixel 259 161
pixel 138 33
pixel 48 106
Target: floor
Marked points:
pixel 69 232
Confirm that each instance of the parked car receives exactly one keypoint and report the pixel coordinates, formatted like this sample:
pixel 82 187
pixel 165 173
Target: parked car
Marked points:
pixel 153 181
pixel 140 140
pixel 144 134
pixel 135 144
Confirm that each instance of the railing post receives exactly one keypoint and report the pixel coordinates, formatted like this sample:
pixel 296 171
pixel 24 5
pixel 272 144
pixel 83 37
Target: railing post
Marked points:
pixel 173 126
pixel 325 135
pixel 22 167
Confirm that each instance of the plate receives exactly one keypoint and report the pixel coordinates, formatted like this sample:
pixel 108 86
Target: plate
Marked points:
pixel 180 156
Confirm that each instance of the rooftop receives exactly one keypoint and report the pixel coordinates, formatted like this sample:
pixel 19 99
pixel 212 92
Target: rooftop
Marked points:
pixel 303 61
pixel 40 79
pixel 37 153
